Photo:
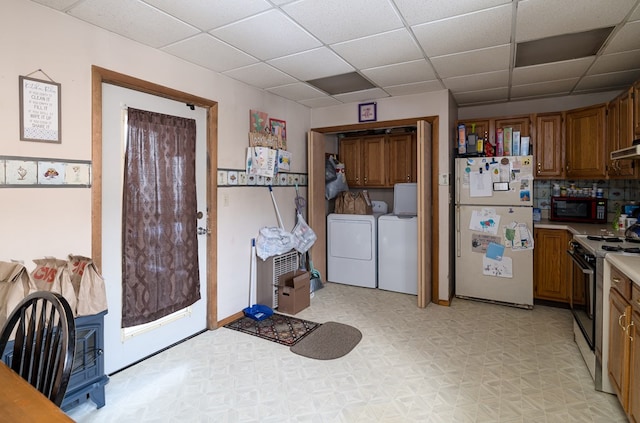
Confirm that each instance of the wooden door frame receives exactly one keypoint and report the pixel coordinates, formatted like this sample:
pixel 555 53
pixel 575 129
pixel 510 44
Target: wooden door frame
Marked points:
pixel 435 215
pixel 98 77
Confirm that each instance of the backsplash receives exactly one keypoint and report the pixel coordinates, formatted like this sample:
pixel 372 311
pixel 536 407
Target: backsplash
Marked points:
pixel 618 192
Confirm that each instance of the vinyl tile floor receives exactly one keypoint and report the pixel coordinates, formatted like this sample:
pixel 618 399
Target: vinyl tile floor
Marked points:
pixel 470 362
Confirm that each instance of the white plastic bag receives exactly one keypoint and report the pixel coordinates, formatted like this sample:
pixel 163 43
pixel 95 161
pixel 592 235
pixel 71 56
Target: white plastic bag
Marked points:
pixel 272 241
pixel 304 235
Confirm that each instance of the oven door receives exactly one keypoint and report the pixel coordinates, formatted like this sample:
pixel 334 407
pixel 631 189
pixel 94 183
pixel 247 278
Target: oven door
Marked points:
pixel 582 301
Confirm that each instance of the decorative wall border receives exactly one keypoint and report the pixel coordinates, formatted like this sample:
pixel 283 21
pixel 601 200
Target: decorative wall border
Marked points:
pixel 239 178
pixel 42 172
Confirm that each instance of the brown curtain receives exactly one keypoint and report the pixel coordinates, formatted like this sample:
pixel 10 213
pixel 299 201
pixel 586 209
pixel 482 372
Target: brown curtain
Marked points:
pixel 159 240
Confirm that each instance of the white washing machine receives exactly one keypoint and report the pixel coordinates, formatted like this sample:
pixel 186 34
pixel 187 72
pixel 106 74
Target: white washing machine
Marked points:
pixel 398 243
pixel 352 244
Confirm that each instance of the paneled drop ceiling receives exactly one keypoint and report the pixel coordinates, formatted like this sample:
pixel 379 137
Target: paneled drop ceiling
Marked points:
pixel 401 47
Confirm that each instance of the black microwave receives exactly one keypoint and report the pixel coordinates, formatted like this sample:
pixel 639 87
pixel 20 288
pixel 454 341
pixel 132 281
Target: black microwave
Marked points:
pixel 578 209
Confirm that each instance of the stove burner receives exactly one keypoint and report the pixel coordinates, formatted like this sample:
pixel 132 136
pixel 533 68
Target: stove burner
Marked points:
pixel 611 248
pixel 604 238
pixel 633 250
pixel 634 240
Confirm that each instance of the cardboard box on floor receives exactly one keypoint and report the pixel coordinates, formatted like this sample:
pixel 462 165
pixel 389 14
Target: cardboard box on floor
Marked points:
pixel 293 291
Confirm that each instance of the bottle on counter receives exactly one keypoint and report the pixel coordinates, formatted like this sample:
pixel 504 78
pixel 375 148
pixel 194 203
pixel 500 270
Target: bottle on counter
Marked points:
pixel 556 190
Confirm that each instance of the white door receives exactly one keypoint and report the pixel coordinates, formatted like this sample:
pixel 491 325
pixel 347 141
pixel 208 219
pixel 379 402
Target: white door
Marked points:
pixel 471 280
pixel 121 350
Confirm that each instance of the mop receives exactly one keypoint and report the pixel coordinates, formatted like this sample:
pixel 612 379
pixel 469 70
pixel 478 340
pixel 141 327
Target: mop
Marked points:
pixel 255 311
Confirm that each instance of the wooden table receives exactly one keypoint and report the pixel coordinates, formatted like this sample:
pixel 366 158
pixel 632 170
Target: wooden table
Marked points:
pixel 21 402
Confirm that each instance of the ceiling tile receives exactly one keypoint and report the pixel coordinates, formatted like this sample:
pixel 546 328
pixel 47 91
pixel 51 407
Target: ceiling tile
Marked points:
pixel 391 47
pixel 415 88
pixel 483 96
pixel 210 14
pixel 478 81
pixel 333 21
pixel 320 102
pixel 472 62
pixel 616 62
pixel 421 11
pixel 544 18
pixel 635 15
pixel 296 92
pixel 563 87
pixel 401 73
pixel 551 71
pixel 133 19
pixel 260 75
pixel 267 35
pixel 608 80
pixel 476 30
pixel 365 95
pixel 628 38
pixel 57 4
pixel 312 64
pixel 210 52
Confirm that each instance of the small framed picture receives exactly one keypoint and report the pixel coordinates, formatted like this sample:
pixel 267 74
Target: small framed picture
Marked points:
pixel 367 112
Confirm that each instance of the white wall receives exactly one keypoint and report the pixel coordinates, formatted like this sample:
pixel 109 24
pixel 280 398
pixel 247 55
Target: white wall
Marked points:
pixel 428 104
pixel 36 222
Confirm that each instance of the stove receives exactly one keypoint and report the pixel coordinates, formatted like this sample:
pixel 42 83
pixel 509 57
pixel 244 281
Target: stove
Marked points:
pixel 600 245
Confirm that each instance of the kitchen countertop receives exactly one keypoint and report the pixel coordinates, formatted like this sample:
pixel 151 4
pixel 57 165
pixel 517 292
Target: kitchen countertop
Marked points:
pixel 629 265
pixel 579 228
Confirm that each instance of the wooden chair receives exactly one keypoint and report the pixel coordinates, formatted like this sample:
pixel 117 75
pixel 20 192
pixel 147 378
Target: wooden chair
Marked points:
pixel 44 343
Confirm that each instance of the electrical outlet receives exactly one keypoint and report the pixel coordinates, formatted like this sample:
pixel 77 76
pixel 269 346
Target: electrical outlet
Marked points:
pixel 444 179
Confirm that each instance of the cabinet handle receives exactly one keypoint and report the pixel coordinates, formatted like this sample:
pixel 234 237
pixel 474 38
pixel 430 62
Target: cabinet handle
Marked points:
pixel 624 329
pixel 629 332
pixel 408 178
pixel 539 167
pixel 615 280
pixel 365 179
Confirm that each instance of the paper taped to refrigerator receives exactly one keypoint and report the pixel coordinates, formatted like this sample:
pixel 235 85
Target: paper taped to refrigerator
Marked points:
pixel 517 236
pixel 498 268
pixel 485 220
pixel 481 185
pixel 480 242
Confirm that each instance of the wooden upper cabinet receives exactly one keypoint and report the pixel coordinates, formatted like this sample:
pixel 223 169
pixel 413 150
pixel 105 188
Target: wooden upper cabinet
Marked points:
pixel 373 161
pixel 636 109
pixel 401 158
pixel 522 124
pixel 548 146
pixel 620 135
pixel 351 156
pixel 585 147
pixel 481 127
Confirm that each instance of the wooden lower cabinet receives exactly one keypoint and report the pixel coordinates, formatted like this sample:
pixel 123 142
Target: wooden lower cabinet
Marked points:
pixel 624 343
pixel 551 267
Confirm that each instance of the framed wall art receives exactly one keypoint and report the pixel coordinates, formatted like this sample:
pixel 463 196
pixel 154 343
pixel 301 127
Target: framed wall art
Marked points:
pixel 367 112
pixel 40 113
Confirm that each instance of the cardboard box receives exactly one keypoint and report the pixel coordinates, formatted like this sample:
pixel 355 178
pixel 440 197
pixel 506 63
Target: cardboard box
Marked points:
pixel 294 291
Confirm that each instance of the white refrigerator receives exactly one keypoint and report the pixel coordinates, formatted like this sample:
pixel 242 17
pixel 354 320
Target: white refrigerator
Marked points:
pixel 494 229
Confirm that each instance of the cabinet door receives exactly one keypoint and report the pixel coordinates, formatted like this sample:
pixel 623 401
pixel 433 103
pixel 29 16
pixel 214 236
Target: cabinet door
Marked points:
pixel 613 139
pixel 625 168
pixel 634 370
pixel 585 146
pixel 400 159
pixel 548 146
pixel 522 124
pixel 551 269
pixel 373 163
pixel 350 155
pixel 618 368
pixel 481 127
pixel 636 109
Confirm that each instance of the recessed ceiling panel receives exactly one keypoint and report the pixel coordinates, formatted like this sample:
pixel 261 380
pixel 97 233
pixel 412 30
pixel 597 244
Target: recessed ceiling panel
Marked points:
pixel 545 18
pixel 419 11
pixel 339 84
pixel 401 73
pixel 333 21
pixel 210 14
pixel 561 47
pixel 486 28
pixel 267 35
pixel 207 51
pixel 391 47
pixel 260 75
pixel 133 19
pixel 312 64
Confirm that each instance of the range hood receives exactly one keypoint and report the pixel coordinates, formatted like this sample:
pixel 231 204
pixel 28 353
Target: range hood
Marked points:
pixel 627 153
